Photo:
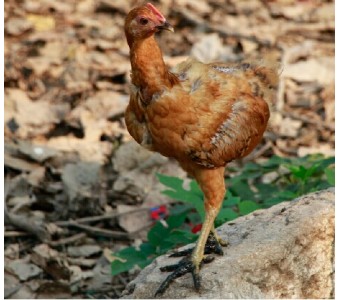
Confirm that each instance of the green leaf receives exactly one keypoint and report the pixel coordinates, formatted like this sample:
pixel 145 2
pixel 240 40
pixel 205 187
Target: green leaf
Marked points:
pixel 246 207
pixel 158 233
pixel 286 195
pixel 274 163
pixel 226 214
pixel 330 174
pixel 193 196
pixel 241 189
pixel 230 200
pixel 266 190
pixel 181 237
pixel 129 257
pixel 180 208
pixel 170 181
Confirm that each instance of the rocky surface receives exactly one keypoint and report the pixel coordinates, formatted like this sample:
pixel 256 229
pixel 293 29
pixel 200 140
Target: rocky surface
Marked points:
pixel 286 251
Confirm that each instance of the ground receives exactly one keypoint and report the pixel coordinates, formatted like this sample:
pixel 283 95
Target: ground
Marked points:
pixel 71 170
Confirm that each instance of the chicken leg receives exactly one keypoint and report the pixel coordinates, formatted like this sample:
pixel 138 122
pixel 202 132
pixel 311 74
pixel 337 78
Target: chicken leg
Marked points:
pixel 212 184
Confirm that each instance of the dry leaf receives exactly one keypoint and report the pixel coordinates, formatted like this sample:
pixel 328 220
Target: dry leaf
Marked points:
pixel 41 23
pixel 321 70
pixel 84 250
pixel 24 270
pixel 17 26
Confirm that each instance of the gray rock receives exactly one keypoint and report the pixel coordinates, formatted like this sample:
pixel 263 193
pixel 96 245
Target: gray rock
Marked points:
pixel 286 251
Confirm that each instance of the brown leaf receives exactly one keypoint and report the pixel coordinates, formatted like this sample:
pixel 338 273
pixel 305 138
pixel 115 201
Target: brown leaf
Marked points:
pixel 321 70
pixel 132 222
pixel 17 26
pixel 51 261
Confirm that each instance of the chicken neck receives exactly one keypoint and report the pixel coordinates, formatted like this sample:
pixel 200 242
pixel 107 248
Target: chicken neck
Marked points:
pixel 149 72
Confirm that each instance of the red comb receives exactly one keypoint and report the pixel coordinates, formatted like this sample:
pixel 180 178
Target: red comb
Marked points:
pixel 155 11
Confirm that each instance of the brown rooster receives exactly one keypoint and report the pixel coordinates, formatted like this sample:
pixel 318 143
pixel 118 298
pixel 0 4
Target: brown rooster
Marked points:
pixel 203 115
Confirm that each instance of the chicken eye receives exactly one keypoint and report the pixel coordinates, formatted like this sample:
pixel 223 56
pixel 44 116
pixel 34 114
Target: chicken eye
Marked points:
pixel 143 21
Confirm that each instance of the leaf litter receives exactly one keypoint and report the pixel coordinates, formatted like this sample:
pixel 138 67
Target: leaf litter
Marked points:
pixel 77 188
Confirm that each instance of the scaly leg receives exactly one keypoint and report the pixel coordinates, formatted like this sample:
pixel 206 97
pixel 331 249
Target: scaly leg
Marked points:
pixel 221 241
pixel 213 187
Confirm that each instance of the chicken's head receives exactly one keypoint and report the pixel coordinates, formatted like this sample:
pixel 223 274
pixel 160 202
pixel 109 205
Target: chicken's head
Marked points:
pixel 144 21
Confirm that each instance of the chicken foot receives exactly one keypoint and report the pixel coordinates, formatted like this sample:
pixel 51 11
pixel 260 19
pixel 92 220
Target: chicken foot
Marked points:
pixel 214 244
pixel 185 265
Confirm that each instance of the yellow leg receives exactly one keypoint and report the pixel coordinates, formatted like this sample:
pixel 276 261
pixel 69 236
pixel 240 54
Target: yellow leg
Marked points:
pixel 222 242
pixel 213 187
pixel 212 184
pixel 208 223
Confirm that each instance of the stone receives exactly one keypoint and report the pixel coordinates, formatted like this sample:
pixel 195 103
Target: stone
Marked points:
pixel 286 251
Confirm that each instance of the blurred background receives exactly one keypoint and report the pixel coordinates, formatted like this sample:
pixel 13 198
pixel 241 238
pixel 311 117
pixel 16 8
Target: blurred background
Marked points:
pixel 77 188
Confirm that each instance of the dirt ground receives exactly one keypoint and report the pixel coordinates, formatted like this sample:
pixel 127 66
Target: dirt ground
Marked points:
pixel 76 186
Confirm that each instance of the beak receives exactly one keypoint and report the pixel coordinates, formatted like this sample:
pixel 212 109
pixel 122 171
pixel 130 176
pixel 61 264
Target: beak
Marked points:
pixel 166 26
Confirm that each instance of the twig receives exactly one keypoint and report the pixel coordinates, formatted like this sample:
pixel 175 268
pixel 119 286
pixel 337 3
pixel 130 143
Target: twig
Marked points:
pixel 13 233
pixel 99 218
pixel 68 240
pixel 102 232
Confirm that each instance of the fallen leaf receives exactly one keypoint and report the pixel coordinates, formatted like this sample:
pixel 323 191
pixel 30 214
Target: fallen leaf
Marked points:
pixel 36 152
pixel 79 179
pixel 32 118
pixel 19 164
pixel 51 261
pixel 322 148
pixel 24 270
pixel 132 222
pixel 210 48
pixel 17 26
pixel 41 23
pixel 290 127
pixel 84 250
pixel 321 70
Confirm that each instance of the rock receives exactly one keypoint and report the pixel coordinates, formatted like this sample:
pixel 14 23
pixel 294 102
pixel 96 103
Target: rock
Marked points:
pixel 286 251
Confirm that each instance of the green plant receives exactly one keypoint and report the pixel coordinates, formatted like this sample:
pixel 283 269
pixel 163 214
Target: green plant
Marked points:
pixel 258 185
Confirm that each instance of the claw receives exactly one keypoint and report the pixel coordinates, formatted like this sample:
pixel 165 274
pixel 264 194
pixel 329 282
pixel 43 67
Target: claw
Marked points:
pixel 182 267
pixel 182 253
pixel 186 265
pixel 196 278
pixel 179 269
pixel 213 245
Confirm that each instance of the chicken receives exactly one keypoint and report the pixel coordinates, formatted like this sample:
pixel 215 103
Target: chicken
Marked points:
pixel 203 115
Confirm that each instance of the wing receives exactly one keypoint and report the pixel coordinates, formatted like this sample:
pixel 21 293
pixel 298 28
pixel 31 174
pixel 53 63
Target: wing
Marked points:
pixel 217 113
pixel 135 119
